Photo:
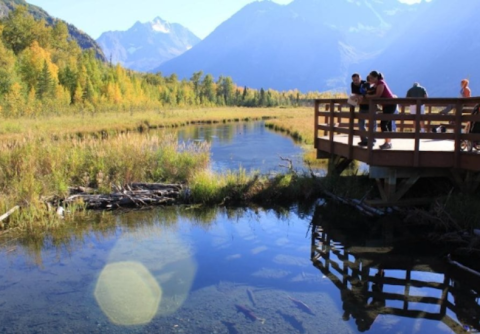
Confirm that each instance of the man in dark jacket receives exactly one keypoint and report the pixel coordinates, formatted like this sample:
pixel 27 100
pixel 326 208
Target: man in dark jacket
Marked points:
pixel 415 92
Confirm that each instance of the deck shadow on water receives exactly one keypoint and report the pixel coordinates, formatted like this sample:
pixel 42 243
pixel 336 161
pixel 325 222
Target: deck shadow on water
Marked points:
pixel 382 279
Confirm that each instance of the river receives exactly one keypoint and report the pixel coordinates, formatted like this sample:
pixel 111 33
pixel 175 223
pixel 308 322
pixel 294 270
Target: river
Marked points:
pixel 247 145
pixel 230 270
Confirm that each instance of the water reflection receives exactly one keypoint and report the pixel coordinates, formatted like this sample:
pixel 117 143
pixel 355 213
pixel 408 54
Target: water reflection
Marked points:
pixel 245 144
pixel 380 285
pixel 180 270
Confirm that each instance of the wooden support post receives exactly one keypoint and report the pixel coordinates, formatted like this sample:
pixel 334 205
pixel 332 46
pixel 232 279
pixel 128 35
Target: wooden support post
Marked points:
pixel 331 125
pixel 391 184
pixel 337 164
pixel 381 189
pixel 402 122
pixel 315 124
pixel 372 109
pixel 468 182
pixel 416 128
pixel 405 186
pixel 350 132
pixel 458 134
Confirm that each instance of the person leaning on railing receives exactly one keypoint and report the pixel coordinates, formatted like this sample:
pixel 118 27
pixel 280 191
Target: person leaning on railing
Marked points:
pixel 383 91
pixel 360 88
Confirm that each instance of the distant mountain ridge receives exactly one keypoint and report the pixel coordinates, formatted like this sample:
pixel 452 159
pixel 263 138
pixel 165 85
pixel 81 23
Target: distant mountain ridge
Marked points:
pixel 439 49
pixel 83 40
pixel 146 46
pixel 307 44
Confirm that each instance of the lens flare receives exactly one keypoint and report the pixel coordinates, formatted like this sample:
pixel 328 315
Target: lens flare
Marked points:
pixel 128 294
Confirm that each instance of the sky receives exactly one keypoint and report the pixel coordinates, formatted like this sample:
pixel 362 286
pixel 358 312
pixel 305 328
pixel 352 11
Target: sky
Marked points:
pixel 97 16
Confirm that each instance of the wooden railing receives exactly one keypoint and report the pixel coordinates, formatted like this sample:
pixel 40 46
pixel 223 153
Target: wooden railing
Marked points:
pixel 335 116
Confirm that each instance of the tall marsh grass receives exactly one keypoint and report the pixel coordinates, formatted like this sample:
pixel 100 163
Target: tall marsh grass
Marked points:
pixel 35 169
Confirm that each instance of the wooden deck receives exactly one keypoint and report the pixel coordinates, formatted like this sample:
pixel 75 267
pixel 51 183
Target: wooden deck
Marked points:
pixel 451 153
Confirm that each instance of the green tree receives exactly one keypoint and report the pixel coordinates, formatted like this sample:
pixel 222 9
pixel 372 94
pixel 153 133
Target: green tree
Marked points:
pixel 21 29
pixel 196 78
pixel 68 79
pixel 208 89
pixel 7 63
pixel 228 88
pixel 45 83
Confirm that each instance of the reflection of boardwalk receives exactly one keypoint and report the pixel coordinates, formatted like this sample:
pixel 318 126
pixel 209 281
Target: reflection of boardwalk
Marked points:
pixel 361 275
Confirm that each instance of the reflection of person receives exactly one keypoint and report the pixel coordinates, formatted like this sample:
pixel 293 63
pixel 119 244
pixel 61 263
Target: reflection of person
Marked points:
pixel 383 91
pixel 417 91
pixel 360 88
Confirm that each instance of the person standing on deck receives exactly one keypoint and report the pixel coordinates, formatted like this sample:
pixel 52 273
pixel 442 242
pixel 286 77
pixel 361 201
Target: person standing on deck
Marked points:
pixel 383 91
pixel 360 88
pixel 464 92
pixel 417 91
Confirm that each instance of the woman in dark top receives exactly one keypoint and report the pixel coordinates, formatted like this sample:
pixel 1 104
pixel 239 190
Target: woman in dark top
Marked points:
pixel 383 91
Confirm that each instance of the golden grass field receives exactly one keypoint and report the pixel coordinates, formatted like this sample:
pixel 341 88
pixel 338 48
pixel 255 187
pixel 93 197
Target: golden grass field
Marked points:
pixel 42 157
pixel 64 126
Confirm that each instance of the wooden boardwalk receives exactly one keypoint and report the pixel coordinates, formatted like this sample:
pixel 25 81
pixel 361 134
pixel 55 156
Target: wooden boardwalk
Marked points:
pixel 414 154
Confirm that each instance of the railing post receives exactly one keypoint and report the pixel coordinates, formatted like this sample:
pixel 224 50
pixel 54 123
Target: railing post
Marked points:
pixel 315 122
pixel 416 128
pixel 458 133
pixel 350 132
pixel 402 122
pixel 427 128
pixel 332 124
pixel 372 109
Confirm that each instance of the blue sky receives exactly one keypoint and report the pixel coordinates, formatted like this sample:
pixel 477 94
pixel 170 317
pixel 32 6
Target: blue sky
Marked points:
pixel 97 16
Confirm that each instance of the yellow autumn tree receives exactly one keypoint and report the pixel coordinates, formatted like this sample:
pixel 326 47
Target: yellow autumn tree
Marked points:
pixel 14 101
pixel 31 63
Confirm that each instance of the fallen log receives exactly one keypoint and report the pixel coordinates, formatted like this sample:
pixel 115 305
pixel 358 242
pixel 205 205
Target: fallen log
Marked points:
pixel 7 214
pixel 134 194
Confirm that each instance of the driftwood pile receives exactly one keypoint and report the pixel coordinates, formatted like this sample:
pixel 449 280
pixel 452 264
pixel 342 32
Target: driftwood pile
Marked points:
pixel 131 195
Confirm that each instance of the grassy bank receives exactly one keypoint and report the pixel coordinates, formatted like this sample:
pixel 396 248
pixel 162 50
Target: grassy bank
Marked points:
pixel 13 130
pixel 42 157
pixel 40 169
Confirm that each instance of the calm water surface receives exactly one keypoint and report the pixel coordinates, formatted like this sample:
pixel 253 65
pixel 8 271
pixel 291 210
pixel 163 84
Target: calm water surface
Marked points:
pixel 248 145
pixel 224 271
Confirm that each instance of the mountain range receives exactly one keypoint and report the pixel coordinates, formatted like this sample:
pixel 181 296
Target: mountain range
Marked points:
pixel 146 46
pixel 83 40
pixel 307 44
pixel 310 45
pixel 318 44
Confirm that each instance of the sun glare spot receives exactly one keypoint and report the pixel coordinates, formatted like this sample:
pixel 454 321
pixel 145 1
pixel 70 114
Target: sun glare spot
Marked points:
pixel 128 294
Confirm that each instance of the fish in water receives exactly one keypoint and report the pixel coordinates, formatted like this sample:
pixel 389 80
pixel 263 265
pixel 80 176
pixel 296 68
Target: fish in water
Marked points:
pixel 293 322
pixel 251 297
pixel 301 305
pixel 248 314
pixel 230 327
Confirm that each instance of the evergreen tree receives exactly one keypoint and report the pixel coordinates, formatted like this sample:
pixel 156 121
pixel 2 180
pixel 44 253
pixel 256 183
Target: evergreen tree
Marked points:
pixel 44 83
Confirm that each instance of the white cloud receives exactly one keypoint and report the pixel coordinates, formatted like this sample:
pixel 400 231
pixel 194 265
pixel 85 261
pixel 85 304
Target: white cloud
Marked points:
pixel 412 2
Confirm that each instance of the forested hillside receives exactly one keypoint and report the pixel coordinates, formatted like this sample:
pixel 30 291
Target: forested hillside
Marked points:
pixel 83 40
pixel 43 71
